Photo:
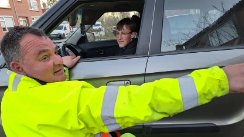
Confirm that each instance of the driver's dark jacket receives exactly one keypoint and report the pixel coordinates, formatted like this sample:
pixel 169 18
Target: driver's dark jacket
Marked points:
pixel 129 49
pixel 78 109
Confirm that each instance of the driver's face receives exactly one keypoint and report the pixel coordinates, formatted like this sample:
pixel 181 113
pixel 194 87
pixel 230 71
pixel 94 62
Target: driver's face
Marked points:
pixel 39 59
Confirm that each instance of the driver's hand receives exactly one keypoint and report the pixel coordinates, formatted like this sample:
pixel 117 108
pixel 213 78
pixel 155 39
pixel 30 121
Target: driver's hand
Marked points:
pixel 70 61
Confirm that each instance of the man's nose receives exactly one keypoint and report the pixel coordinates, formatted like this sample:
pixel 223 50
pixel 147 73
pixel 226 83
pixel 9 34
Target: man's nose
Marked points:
pixel 58 60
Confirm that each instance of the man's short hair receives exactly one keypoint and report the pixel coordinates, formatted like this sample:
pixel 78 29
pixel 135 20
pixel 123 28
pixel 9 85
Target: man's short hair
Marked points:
pixel 128 22
pixel 10 44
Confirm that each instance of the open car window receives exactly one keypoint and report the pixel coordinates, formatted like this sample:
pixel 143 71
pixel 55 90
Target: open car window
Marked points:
pixel 91 31
pixel 104 27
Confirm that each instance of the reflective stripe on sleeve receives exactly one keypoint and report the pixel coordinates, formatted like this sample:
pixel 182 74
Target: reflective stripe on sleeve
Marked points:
pixel 16 81
pixel 188 92
pixel 108 105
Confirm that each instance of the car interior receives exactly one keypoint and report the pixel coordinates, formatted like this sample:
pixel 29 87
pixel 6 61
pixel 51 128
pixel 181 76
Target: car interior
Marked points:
pixel 88 42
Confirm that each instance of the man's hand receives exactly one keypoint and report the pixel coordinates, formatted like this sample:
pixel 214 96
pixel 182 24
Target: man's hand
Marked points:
pixel 70 61
pixel 235 74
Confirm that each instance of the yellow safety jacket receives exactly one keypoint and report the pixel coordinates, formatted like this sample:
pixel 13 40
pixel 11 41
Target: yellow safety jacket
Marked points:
pixel 77 109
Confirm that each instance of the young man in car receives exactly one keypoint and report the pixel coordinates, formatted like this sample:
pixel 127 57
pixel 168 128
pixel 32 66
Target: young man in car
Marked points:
pixel 39 102
pixel 126 35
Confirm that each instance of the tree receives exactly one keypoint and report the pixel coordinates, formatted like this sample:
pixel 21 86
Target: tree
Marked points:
pixel 50 3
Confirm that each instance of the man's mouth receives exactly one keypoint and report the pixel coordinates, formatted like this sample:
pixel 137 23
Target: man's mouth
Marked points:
pixel 58 71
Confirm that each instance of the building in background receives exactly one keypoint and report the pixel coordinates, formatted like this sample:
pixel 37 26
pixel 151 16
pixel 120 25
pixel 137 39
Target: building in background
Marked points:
pixel 19 12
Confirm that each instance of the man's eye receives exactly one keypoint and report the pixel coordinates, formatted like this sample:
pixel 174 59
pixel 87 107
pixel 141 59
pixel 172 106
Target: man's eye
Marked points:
pixel 44 58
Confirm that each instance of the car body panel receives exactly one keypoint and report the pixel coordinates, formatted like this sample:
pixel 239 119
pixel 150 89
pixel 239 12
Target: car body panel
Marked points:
pixel 4 77
pixel 131 70
pixel 190 61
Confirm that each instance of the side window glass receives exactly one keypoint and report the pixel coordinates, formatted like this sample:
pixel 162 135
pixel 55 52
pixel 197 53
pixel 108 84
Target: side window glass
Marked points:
pixel 6 23
pixel 188 26
pixel 104 27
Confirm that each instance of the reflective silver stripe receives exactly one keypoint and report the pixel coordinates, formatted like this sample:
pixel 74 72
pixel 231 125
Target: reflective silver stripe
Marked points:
pixel 107 113
pixel 16 81
pixel 188 92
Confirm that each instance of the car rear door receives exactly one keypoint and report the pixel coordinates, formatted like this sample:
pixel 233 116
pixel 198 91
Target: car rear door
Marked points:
pixel 99 71
pixel 189 39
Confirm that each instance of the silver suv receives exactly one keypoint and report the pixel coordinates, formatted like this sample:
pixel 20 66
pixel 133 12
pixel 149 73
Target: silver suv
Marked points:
pixel 176 37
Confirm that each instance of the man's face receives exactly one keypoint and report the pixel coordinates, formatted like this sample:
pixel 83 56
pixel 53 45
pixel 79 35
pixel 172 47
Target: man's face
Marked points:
pixel 123 36
pixel 39 59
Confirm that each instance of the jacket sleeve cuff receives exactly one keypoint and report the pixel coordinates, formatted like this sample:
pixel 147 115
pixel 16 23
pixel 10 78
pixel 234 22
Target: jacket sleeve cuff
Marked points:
pixel 210 83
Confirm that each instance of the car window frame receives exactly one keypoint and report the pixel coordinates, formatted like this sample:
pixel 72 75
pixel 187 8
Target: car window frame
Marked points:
pixel 155 45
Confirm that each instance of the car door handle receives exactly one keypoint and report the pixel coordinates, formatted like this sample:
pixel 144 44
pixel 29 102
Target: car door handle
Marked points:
pixel 118 83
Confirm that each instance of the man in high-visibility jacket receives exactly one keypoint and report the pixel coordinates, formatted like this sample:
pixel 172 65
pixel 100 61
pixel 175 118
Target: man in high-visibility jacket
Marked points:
pixel 40 103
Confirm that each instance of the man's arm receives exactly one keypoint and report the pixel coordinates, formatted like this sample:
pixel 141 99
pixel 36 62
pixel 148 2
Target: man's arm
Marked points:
pixel 125 106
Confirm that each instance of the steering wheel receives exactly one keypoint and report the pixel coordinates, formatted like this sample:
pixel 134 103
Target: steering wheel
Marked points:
pixel 68 50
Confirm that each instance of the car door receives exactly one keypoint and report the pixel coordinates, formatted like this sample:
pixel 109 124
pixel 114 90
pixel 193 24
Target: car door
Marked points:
pixel 99 71
pixel 196 35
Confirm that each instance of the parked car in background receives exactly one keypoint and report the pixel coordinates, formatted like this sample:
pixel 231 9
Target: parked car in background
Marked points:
pixel 211 33
pixel 98 26
pixel 98 29
pixel 62 31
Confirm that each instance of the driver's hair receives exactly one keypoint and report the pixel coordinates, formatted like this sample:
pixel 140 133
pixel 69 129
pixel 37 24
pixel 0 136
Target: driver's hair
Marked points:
pixel 10 44
pixel 131 24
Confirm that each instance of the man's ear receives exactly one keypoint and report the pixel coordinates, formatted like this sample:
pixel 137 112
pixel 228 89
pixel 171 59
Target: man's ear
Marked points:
pixel 16 67
pixel 134 35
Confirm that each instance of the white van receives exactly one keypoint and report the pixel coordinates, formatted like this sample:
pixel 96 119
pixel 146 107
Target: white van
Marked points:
pixel 62 31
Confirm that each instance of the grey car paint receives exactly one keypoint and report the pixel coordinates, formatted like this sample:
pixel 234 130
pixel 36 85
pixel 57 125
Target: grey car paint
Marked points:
pixel 2 61
pixel 189 61
pixel 100 69
pixel 3 78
